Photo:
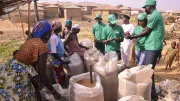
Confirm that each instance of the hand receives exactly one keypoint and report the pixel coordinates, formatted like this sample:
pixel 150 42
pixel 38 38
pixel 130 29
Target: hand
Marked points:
pixel 95 40
pixel 56 95
pixel 130 37
pixel 112 39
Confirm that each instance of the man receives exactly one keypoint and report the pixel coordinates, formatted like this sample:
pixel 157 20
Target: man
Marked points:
pixel 97 33
pixel 56 49
pixel 112 35
pixel 126 44
pixel 154 33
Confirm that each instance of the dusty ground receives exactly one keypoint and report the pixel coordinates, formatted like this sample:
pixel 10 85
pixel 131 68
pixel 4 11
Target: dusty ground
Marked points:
pixel 13 38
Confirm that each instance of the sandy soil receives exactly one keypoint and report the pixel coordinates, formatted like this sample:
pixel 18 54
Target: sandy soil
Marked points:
pixel 14 32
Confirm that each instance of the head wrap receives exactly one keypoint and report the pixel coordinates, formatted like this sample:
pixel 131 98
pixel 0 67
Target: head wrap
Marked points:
pixel 68 23
pixel 41 28
pixel 56 24
pixel 76 26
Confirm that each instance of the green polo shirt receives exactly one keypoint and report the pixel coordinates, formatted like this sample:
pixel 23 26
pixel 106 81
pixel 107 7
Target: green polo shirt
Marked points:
pixel 97 30
pixel 139 41
pixel 112 32
pixel 155 39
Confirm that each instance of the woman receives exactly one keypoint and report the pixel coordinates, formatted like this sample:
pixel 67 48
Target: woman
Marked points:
pixel 67 29
pixel 27 67
pixel 56 49
pixel 139 48
pixel 72 42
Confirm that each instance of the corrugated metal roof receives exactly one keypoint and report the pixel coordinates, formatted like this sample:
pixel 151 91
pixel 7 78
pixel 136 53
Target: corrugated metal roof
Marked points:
pixel 93 4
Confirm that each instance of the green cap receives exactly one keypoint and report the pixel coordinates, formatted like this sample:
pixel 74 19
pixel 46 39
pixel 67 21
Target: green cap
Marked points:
pixel 150 3
pixel 98 16
pixel 112 19
pixel 142 16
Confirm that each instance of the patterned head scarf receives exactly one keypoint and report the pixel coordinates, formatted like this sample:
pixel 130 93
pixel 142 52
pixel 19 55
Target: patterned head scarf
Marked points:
pixel 56 24
pixel 68 23
pixel 41 28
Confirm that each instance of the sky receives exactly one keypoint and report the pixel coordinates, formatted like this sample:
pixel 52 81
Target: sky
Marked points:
pixel 161 4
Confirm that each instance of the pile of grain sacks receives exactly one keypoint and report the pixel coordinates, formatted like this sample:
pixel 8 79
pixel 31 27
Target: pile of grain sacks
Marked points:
pixel 169 90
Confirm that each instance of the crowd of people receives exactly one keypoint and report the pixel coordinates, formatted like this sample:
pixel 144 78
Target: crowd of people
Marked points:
pixel 27 68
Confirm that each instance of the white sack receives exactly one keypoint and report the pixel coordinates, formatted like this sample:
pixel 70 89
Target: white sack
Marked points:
pixel 81 93
pixel 86 42
pixel 47 96
pixel 76 66
pixel 107 69
pixel 120 66
pixel 132 98
pixel 136 81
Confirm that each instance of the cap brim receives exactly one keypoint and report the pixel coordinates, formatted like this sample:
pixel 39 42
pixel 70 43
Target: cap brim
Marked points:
pixel 98 18
pixel 140 19
pixel 144 6
pixel 113 22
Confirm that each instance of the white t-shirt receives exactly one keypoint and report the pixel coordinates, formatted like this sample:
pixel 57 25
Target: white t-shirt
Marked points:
pixel 127 28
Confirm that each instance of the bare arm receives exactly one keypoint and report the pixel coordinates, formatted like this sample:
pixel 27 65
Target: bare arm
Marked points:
pixel 144 33
pixel 43 75
pixel 120 39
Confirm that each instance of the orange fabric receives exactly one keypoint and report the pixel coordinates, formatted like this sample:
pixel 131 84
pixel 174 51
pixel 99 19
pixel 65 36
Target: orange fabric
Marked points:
pixel 31 50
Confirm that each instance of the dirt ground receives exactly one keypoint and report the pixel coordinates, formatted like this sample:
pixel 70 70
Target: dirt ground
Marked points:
pixel 12 38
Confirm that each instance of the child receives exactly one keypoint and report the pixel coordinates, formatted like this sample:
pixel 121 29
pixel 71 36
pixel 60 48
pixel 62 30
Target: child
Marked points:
pixel 160 55
pixel 170 55
pixel 178 47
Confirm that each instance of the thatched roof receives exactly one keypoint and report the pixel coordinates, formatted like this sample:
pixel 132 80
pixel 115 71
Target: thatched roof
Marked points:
pixel 106 8
pixel 25 7
pixel 51 6
pixel 176 12
pixel 66 4
pixel 137 9
pixel 91 4
pixel 125 8
pixel 75 7
pixel 7 6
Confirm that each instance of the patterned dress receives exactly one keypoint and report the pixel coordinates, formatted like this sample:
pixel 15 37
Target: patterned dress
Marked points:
pixel 15 77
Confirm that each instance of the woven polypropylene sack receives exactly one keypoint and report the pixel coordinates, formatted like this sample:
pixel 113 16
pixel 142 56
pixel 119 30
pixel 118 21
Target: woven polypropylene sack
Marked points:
pixel 107 69
pixel 76 66
pixel 81 93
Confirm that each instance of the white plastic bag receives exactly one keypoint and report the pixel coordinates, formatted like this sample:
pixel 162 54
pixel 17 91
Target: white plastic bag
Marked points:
pixel 86 42
pixel 47 96
pixel 76 66
pixel 79 92
pixel 132 98
pixel 107 69
pixel 136 81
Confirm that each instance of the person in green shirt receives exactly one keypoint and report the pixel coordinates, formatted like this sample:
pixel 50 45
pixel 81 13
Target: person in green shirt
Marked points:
pixel 97 33
pixel 139 47
pixel 112 35
pixel 154 33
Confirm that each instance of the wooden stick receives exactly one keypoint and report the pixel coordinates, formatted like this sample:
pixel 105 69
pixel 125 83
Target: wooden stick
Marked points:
pixel 21 23
pixel 29 33
pixel 91 78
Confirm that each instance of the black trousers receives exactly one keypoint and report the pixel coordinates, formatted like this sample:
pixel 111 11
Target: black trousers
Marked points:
pixel 100 46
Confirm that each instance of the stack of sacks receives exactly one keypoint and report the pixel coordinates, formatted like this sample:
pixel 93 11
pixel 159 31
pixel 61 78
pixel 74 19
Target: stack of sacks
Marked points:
pixel 136 81
pixel 170 89
pixel 91 56
pixel 132 98
pixel 86 42
pixel 82 90
pixel 47 96
pixel 76 66
pixel 107 69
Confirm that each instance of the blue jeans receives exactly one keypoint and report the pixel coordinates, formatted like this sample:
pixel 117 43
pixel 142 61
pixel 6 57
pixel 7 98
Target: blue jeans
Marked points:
pixel 151 58
pixel 140 57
